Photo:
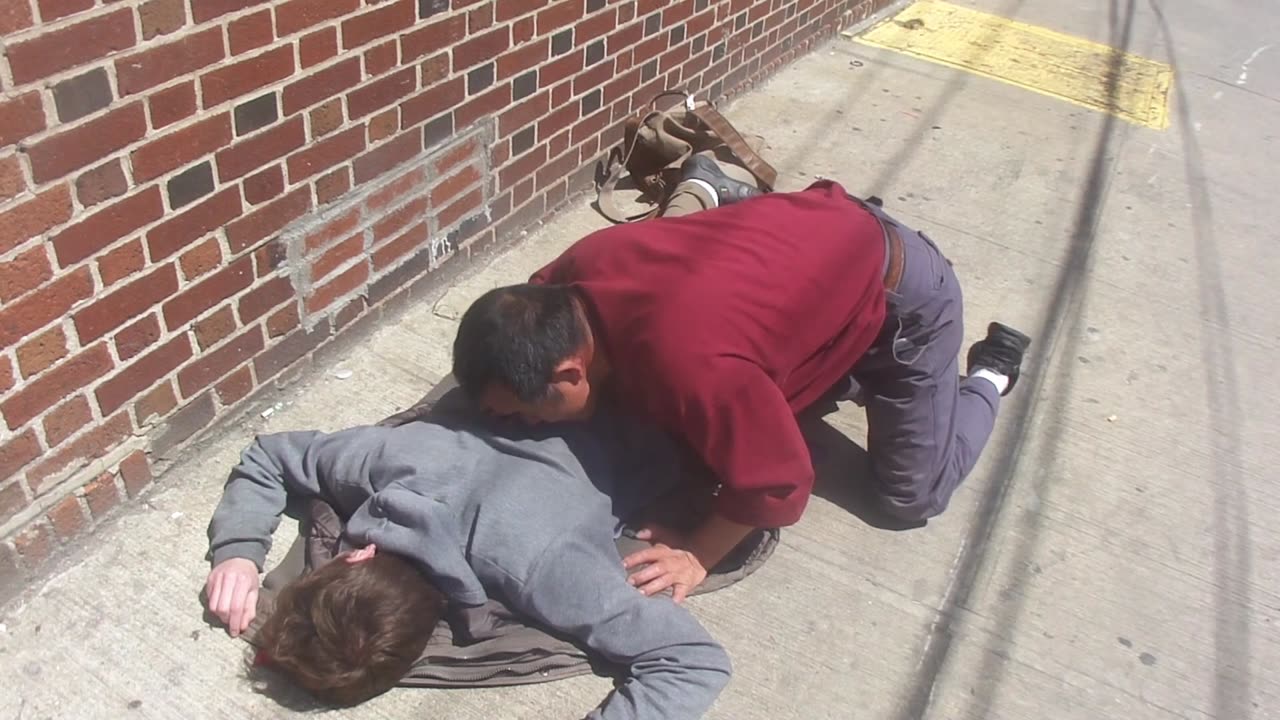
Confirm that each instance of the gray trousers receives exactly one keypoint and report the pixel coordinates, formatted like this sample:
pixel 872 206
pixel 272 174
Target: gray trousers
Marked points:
pixel 926 425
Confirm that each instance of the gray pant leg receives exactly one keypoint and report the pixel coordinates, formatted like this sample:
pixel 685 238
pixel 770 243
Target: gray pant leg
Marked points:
pixel 926 425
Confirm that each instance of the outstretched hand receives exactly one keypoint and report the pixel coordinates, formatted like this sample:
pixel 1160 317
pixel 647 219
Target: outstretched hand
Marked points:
pixel 232 589
pixel 666 565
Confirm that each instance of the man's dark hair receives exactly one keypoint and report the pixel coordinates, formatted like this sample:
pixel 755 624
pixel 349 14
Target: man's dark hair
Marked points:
pixel 516 336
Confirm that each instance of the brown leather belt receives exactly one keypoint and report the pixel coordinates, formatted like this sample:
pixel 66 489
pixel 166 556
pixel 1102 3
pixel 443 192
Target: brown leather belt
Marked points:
pixel 894 255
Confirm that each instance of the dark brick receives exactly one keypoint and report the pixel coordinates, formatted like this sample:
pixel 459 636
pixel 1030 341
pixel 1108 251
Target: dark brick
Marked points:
pixel 82 95
pixel 652 24
pixel 183 424
pixel 700 5
pixel 190 185
pixel 427 8
pixel 594 5
pixel 699 44
pixel 648 72
pixel 289 350
pixel 591 102
pixel 101 184
pixel 524 85
pixel 677 35
pixel 480 78
pixel 437 131
pixel 523 140
pixel 256 114
pixel 562 42
pixel 595 52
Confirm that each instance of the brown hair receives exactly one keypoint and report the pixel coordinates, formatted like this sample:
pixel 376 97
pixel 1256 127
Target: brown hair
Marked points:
pixel 350 631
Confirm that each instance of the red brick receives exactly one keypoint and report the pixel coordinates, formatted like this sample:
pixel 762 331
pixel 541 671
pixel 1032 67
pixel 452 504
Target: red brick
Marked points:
pixel 66 420
pixel 209 292
pixel 34 217
pixel 318 46
pixel 67 517
pixel 88 142
pixel 325 154
pixel 261 223
pixel 142 374
pixel 56 50
pixel 162 63
pixel 559 16
pixel 110 312
pixel 298 15
pixel 15 16
pixel 396 189
pixel 161 17
pixel 523 58
pixel 524 114
pixel 344 283
pixel 333 186
pixel 337 256
pixel 142 334
pixel 77 453
pixel 215 328
pixel 6 374
pixel 595 27
pixel 235 387
pixel 205 10
pixel 269 257
pixel 381 93
pixel 283 321
pixel 481 49
pixel 410 240
pixel 565 67
pixel 432 102
pixel 155 404
pixel 593 78
pixel 387 157
pixel 621 86
pixel 338 228
pixel 18 452
pixel 435 69
pixel 212 366
pixel 24 273
pixel 320 86
pixel 507 9
pixel 464 206
pixel 232 81
pixel 432 38
pixel 186 228
pixel 250 32
pixel 561 93
pixel 40 353
pixel 101 495
pixel 56 383
pixel 556 169
pixel 104 227
pixel 384 125
pixel 180 147
pixel 327 118
pixel 101 183
pixel 262 299
pixel 589 127
pixel 12 181
pixel 522 30
pixel 264 186
pixel 122 262
pixel 35 310
pixel 35 544
pixel 12 501
pixel 201 259
pixel 135 472
pixel 381 58
pixel 486 104
pixel 452 186
pixel 170 105
pixel 522 167
pixel 21 118
pixel 401 218
pixel 480 19
pixel 626 37
pixel 387 20
pixel 248 155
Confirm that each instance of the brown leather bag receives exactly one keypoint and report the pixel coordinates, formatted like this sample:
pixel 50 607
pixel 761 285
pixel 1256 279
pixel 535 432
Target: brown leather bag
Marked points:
pixel 656 143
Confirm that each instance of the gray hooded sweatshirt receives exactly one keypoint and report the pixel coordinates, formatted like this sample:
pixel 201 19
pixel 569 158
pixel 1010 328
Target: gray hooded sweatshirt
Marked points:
pixel 528 516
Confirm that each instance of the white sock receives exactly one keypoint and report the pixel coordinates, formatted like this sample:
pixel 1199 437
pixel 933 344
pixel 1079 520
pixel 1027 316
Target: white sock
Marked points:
pixel 715 197
pixel 1000 381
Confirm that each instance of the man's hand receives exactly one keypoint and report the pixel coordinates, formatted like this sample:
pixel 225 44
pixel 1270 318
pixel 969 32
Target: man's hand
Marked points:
pixel 667 567
pixel 232 589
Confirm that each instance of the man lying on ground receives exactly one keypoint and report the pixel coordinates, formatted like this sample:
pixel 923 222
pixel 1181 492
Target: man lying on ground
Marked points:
pixel 528 516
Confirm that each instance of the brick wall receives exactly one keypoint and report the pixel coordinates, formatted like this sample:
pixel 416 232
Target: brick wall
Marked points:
pixel 197 195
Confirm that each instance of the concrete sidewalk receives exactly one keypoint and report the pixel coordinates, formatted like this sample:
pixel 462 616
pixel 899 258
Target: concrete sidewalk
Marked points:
pixel 1112 556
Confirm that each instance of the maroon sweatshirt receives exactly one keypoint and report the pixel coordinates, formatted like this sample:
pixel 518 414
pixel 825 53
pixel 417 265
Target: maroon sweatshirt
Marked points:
pixel 721 326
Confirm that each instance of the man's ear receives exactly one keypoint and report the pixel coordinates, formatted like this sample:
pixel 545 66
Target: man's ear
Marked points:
pixel 571 370
pixel 360 555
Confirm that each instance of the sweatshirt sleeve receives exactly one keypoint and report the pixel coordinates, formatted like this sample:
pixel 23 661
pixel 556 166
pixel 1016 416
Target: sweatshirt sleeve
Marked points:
pixel 676 669
pixel 278 466
pixel 737 419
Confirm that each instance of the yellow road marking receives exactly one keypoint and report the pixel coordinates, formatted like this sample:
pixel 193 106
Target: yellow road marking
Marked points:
pixel 1051 63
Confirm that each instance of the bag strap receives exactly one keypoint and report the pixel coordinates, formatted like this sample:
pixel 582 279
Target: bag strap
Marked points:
pixel 762 170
